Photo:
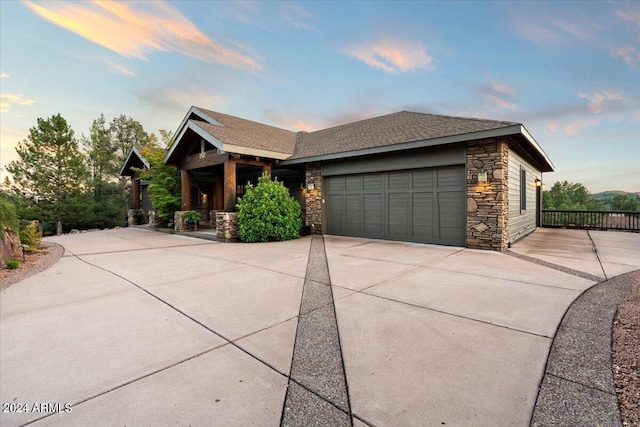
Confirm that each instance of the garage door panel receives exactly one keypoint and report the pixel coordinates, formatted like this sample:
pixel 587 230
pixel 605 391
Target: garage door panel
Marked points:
pixel 335 204
pixel 353 183
pixel 335 183
pixel 398 207
pixel 450 177
pixel 450 209
pixel 372 182
pixel 423 217
pixel 373 215
pixel 423 178
pixel 353 219
pixel 399 180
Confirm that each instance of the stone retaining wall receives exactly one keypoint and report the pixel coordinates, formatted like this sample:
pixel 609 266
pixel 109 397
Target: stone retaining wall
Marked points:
pixel 487 202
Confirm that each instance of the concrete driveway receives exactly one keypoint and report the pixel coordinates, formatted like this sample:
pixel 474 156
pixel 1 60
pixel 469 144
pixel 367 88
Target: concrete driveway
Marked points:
pixel 133 327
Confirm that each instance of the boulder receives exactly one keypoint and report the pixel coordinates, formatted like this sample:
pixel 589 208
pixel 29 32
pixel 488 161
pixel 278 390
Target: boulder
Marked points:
pixel 10 247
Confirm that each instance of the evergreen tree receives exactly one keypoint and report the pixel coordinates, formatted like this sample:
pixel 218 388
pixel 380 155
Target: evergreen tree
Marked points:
pixel 104 167
pixel 51 169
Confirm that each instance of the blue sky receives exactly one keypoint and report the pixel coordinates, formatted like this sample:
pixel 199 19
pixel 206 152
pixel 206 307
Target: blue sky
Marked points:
pixel 569 71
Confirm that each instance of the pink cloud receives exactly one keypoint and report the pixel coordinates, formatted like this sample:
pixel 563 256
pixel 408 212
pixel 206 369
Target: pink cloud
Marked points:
pixel 136 29
pixel 391 55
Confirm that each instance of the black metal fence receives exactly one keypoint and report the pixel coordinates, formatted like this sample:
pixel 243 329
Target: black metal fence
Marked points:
pixel 598 220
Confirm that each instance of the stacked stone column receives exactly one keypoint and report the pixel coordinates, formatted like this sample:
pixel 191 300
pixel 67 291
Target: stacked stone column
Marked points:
pixel 313 198
pixel 487 202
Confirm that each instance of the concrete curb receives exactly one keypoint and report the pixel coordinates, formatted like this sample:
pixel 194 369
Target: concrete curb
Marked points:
pixel 577 387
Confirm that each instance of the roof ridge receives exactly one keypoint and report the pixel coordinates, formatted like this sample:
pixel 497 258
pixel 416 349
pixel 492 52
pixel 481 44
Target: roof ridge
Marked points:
pixel 462 117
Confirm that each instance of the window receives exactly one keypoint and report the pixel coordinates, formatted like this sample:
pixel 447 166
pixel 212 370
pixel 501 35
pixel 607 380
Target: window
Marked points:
pixel 523 189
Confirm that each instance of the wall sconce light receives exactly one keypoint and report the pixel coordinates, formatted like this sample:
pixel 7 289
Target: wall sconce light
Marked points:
pixel 310 186
pixel 538 182
pixel 482 176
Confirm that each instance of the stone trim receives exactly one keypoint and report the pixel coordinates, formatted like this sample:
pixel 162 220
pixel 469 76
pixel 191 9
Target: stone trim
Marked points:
pixel 179 225
pixel 488 202
pixel 313 198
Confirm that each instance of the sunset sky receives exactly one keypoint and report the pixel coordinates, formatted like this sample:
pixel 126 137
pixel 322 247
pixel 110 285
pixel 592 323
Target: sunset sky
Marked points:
pixel 569 71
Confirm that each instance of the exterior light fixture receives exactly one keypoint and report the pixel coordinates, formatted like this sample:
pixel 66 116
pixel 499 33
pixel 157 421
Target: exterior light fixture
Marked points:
pixel 538 182
pixel 482 176
pixel 310 186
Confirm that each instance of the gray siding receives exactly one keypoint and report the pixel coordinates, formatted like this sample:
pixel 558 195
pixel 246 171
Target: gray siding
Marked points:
pixel 440 156
pixel 521 222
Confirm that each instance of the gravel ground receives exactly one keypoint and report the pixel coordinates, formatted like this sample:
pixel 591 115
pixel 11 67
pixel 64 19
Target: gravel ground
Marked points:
pixel 626 356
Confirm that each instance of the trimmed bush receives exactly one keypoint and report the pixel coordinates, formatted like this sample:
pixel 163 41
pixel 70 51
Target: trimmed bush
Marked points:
pixel 13 264
pixel 267 212
pixel 30 236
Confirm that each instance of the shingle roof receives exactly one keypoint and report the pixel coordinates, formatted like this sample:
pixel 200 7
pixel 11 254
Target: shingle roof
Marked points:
pixel 388 130
pixel 247 133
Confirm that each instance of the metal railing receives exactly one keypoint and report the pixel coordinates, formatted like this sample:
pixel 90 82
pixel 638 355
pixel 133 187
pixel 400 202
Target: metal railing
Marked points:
pixel 598 220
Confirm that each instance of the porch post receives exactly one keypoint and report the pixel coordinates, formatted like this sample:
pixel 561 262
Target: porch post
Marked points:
pixel 267 169
pixel 230 185
pixel 185 181
pixel 135 192
pixel 218 204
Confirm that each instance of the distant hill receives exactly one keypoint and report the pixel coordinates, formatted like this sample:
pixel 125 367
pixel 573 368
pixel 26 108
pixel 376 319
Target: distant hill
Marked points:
pixel 610 194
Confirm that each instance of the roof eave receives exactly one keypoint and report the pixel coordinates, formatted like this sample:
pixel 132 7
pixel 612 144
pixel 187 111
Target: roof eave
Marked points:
pixel 546 165
pixel 190 124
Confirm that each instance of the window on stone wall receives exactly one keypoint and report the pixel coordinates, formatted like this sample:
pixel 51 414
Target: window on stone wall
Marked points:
pixel 523 189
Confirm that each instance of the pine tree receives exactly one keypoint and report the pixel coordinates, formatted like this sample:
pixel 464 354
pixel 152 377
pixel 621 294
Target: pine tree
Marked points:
pixel 51 169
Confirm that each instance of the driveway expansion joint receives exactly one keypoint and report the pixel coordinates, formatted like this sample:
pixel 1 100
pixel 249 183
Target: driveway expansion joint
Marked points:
pixel 317 393
pixel 567 270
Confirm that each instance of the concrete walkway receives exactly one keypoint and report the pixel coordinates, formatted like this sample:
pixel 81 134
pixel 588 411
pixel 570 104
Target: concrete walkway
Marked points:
pixel 133 327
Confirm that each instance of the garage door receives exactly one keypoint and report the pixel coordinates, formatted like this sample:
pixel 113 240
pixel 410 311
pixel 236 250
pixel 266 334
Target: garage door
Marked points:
pixel 418 205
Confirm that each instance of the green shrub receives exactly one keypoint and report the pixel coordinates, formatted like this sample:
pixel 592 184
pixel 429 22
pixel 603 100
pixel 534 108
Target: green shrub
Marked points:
pixel 267 212
pixel 13 264
pixel 30 236
pixel 29 249
pixel 191 217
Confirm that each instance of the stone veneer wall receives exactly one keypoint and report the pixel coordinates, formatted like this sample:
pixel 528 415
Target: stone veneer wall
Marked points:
pixel 313 198
pixel 488 202
pixel 227 225
pixel 155 221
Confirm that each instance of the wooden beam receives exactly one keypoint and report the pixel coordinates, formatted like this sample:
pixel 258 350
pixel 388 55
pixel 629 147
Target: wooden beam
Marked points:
pixel 253 162
pixel 202 160
pixel 219 192
pixel 185 181
pixel 267 169
pixel 230 185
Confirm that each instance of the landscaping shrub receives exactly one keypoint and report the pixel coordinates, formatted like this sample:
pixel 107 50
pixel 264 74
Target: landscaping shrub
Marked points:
pixel 268 212
pixel 12 264
pixel 8 217
pixel 30 236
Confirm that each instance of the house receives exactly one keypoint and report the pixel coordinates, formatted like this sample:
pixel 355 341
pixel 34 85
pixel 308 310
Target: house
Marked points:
pixel 141 202
pixel 405 176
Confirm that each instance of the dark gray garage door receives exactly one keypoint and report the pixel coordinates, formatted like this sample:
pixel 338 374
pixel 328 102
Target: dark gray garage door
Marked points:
pixel 418 205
